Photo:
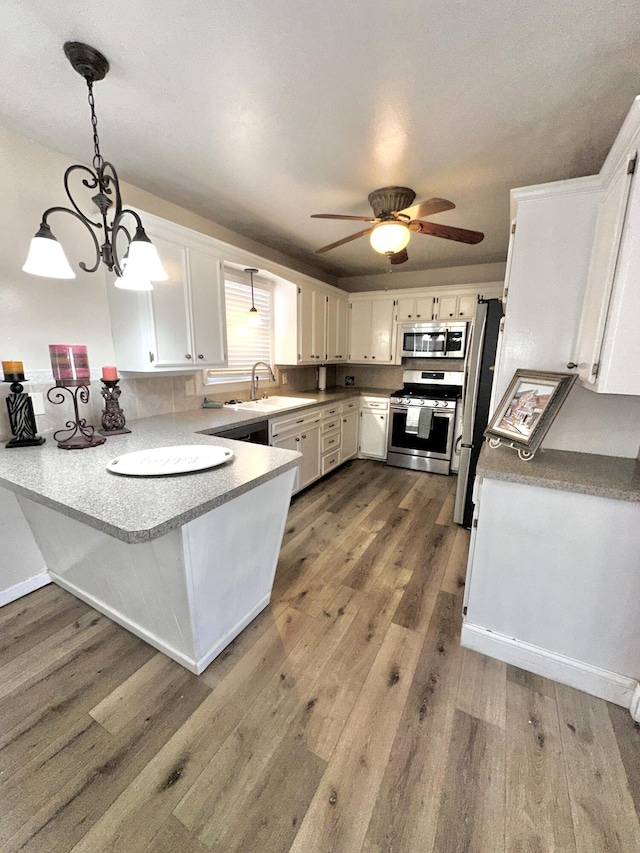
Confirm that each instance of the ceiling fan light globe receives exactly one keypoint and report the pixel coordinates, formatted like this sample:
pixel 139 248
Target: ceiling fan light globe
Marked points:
pixel 389 237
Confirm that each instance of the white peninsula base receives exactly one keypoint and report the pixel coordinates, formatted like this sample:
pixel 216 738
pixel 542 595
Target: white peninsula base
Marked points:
pixel 187 593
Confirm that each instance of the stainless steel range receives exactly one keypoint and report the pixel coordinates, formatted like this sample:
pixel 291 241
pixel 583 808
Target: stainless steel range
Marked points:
pixel 425 420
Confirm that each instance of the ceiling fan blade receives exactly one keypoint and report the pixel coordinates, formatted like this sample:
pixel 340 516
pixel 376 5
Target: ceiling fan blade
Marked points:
pixel 340 216
pixel 461 235
pixel 400 257
pixel 427 208
pixel 344 240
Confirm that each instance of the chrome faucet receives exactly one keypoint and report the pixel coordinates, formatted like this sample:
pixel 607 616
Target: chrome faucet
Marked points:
pixel 253 392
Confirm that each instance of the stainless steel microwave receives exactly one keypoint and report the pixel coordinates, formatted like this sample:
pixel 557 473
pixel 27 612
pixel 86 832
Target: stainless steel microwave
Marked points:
pixel 433 340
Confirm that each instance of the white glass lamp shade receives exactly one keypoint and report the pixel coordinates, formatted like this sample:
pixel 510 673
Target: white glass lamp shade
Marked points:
pixel 254 318
pixel 46 256
pixel 130 281
pixel 389 237
pixel 143 260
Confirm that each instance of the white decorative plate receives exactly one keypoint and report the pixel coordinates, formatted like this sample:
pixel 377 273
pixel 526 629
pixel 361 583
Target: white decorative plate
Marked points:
pixel 169 460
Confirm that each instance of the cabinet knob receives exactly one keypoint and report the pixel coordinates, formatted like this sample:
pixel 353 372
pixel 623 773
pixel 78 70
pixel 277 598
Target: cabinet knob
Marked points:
pixel 373 356
pixel 303 436
pixel 188 355
pixel 571 365
pixel 200 356
pixel 418 315
pixel 297 438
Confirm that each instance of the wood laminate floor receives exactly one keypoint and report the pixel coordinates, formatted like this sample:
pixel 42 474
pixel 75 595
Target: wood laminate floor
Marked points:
pixel 345 718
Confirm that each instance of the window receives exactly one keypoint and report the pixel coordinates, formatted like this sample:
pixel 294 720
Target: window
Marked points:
pixel 245 344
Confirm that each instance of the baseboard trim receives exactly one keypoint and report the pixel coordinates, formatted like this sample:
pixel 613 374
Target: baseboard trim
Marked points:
pixel 634 708
pixel 194 665
pixel 602 683
pixel 23 588
pixel 204 661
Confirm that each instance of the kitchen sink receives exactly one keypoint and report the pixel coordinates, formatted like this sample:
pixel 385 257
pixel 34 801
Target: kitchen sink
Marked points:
pixel 271 404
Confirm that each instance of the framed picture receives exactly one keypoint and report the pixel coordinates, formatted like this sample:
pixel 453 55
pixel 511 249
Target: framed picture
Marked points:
pixel 528 409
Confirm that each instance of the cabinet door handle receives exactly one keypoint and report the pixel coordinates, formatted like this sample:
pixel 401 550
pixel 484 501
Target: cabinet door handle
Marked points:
pixel 188 355
pixel 303 436
pixel 200 356
pixel 373 356
pixel 571 365
pixel 297 439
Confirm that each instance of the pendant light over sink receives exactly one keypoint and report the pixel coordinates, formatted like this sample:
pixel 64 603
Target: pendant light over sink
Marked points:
pixel 141 263
pixel 254 318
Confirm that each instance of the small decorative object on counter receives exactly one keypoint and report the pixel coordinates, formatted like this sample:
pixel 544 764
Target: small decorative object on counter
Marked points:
pixel 109 373
pixel 113 420
pixel 22 420
pixel 70 364
pixel 527 410
pixel 77 434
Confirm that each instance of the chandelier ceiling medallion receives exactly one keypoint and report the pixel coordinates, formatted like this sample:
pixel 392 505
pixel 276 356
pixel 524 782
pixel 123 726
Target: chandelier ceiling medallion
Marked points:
pixel 141 263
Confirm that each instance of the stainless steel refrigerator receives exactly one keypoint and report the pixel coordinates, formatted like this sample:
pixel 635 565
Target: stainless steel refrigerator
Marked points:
pixel 481 356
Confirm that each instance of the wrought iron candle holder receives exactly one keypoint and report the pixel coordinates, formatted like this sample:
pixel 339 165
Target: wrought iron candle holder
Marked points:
pixel 22 420
pixel 80 434
pixel 113 420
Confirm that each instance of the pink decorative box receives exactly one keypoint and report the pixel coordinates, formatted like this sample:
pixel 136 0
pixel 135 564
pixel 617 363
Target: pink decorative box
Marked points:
pixel 70 364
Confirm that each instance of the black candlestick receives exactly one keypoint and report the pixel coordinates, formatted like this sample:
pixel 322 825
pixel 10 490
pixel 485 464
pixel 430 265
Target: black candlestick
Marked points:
pixel 21 417
pixel 113 420
pixel 81 434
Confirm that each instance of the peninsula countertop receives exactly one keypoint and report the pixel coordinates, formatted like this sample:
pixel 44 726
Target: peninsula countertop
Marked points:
pixel 137 509
pixel 585 473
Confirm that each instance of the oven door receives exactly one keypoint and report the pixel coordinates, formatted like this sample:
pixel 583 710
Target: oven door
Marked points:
pixel 408 450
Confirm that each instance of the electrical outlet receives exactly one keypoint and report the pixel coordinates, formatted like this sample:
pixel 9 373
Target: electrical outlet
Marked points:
pixel 190 388
pixel 38 402
pixel 284 378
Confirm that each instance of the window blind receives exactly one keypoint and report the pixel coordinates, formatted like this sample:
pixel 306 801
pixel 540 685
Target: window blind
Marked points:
pixel 247 344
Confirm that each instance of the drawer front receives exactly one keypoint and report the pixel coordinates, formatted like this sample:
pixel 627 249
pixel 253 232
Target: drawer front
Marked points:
pixel 292 423
pixel 331 412
pixel 379 403
pixel 330 461
pixel 331 441
pixel 330 425
pixel 351 405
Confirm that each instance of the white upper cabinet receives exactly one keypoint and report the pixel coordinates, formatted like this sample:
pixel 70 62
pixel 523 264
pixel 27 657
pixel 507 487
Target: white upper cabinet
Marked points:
pixel 414 309
pixel 608 352
pixel 371 330
pixel 337 328
pixel 180 324
pixel 322 326
pixel 455 307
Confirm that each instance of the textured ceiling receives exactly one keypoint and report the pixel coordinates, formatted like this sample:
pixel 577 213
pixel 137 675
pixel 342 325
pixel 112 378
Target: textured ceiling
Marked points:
pixel 257 115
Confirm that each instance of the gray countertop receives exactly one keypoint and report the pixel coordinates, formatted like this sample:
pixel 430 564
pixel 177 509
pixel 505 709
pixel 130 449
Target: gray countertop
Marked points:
pixel 137 509
pixel 585 473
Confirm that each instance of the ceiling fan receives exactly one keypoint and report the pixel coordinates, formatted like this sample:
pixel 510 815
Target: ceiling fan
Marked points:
pixel 395 217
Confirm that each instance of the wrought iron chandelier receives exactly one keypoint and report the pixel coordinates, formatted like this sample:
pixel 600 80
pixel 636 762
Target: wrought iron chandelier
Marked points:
pixel 141 263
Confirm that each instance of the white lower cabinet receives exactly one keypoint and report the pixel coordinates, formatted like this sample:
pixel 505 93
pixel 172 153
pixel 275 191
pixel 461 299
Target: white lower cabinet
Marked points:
pixel 558 599
pixel 301 433
pixel 374 425
pixel 349 435
pixel 325 435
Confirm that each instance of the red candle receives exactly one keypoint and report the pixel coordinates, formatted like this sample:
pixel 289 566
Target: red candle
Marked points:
pixel 110 374
pixel 70 364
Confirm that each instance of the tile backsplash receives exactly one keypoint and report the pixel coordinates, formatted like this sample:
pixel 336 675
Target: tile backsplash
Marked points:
pixel 160 395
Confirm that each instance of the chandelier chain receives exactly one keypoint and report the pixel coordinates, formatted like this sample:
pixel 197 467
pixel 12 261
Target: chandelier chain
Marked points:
pixel 97 156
